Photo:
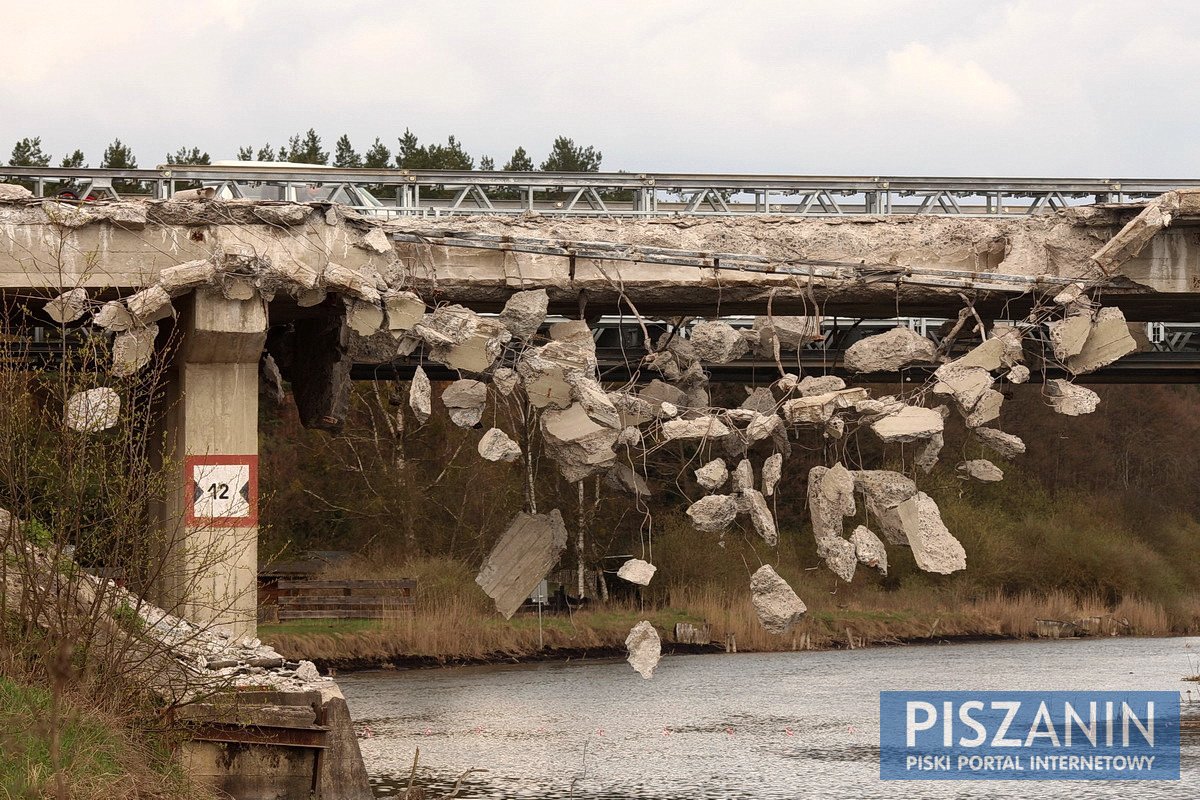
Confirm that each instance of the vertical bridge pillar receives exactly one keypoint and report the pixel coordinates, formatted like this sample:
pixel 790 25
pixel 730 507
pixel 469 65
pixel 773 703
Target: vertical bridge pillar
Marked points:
pixel 210 516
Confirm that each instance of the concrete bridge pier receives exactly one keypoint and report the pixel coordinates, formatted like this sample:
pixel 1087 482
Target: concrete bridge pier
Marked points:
pixel 210 516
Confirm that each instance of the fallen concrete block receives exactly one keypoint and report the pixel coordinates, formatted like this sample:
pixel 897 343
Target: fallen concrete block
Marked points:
pixel 133 350
pixel 645 649
pixel 760 400
pixel 150 305
pixel 868 549
pixel 1070 399
pixel 496 445
pixel 1003 444
pixel 703 427
pixel 717 342
pixel 1018 374
pixel 524 312
pixel 624 477
pixel 505 380
pixel 934 548
pixel 989 355
pixel 713 513
pixel 778 607
pixel 908 425
pixel 1107 341
pixel 465 400
pixel 986 410
pixel 1068 336
pixel 965 384
pixel 818 409
pixel 927 458
pixel 635 570
pixel 577 444
pixel 712 475
pixel 363 318
pixel 981 470
pixel 760 516
pixel 743 476
pixel 113 316
pixel 839 557
pixel 527 551
pixel 404 310
pixel 68 306
pixel 813 385
pixel 772 471
pixel 185 277
pixel 351 282
pixel 890 351
pixel 92 411
pixel 420 396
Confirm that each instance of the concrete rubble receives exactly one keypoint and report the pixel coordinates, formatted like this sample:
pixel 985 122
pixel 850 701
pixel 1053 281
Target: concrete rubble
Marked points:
pixel 93 411
pixel 986 409
pixel 505 380
pixel 1071 399
pixel 113 316
pixel 981 469
pixel 884 491
pixel 818 409
pixel 772 471
pixel 927 457
pixel 183 278
pixel 645 649
pixel 465 400
pixel 778 606
pixel 150 305
pixel 712 475
pixel 11 192
pixel 496 445
pixel 703 427
pixel 404 310
pixel 830 499
pixel 760 516
pixel 908 425
pixel 813 385
pixel 630 436
pixel 68 306
pixel 525 312
pixel 964 384
pixel 713 513
pixel 1005 445
pixel 527 551
pixel 591 395
pixel 791 333
pixel 890 351
pixel 362 317
pixel 869 549
pixel 544 371
pixel 1069 335
pixel 1107 341
pixel 718 342
pixel 133 350
pixel 627 479
pixel 934 548
pixel 1018 374
pixel 420 396
pixel 743 476
pixel 635 570
pixel 578 445
pixel 760 400
pixel 461 339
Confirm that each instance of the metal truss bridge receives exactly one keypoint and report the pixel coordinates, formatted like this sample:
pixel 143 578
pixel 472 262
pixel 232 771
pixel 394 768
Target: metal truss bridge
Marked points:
pixel 396 192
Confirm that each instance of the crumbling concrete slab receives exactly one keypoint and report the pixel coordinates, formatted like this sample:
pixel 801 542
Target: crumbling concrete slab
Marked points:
pixel 577 444
pixel 133 350
pixel 1068 336
pixel 869 549
pixel 363 318
pixel 989 355
pixel 813 385
pixel 986 410
pixel 93 411
pixel 712 475
pixel 778 606
pixel 349 281
pixel 760 400
pixel 713 513
pixel 1018 374
pixel 1005 445
pixel 703 427
pixel 1071 399
pixel 890 351
pixel 965 384
pixel 404 310
pixel 465 400
pixel 743 476
pixel 656 393
pixel 150 305
pixel 908 425
pixel 525 312
pixel 818 409
pixel 1108 340
pixel 760 516
pixel 591 395
pixel 496 445
pixel 544 374
pixel 527 551
pixel 718 342
pixel 505 380
pixel 981 470
pixel 420 396
pixel 645 649
pixel 183 278
pixel 10 192
pixel 113 316
pixel 791 332
pixel 635 570
pixel 68 306
pixel 934 548
pixel 772 471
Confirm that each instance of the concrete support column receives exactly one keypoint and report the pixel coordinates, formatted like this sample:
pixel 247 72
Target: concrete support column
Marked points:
pixel 210 518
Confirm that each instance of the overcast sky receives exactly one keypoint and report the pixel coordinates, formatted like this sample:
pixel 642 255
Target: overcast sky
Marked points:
pixel 1037 87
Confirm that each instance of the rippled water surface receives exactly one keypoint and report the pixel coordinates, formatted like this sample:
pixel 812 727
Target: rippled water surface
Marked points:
pixel 778 725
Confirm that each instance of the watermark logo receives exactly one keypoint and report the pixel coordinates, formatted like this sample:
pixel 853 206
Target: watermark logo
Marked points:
pixel 1029 736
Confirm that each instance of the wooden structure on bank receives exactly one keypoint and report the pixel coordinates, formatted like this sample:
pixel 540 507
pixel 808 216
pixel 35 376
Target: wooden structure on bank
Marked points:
pixel 344 599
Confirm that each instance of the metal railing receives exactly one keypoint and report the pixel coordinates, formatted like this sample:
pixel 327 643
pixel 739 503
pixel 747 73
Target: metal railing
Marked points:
pixel 399 192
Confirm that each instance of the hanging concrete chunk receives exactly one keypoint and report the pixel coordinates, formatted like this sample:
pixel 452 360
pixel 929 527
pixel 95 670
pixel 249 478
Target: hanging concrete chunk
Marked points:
pixel 363 318
pixel 577 444
pixel 1071 293
pixel 778 606
pixel 624 477
pixel 150 305
pixel 986 410
pixel 496 445
pixel 133 350
pixel 869 549
pixel 830 498
pixel 934 549
pixel 713 513
pixel 404 311
pixel 591 395
pixel 965 384
pixel 760 400
pixel 630 436
pixel 1018 374
pixel 113 316
pixel 772 471
pixel 465 400
pixel 791 333
pixel 505 380
pixel 461 339
pixel 760 516
pixel 544 372
pixel 928 457
pixel 1003 444
pixel 238 287
pixel 1070 399
pixel 705 427
pixel 813 385
pixel 635 570
pixel 712 475
pixel 1107 341
pixel 885 491
pixel 888 352
pixel 184 278
pixel 656 393
pixel 981 470
pixel 350 282
pixel 377 241
pixel 908 424
pixel 528 550
pixel 645 649
pixel 1068 336
pixel 420 396
pixel 743 476
pixel 68 306
pixel 718 342
pixel 525 312
pixel 94 410
pixel 818 409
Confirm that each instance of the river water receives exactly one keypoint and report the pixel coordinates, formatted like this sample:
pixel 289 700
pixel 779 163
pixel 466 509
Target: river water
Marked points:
pixel 772 725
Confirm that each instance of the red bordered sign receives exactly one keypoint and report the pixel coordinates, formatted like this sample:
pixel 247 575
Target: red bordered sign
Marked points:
pixel 221 490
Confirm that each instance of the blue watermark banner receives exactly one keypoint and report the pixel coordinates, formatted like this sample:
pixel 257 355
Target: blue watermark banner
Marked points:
pixel 1029 735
